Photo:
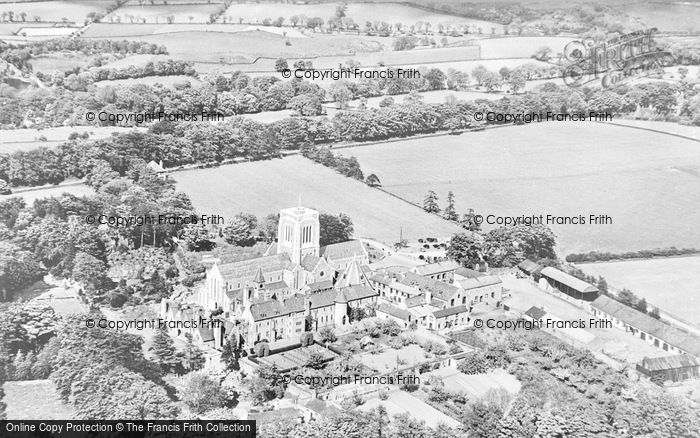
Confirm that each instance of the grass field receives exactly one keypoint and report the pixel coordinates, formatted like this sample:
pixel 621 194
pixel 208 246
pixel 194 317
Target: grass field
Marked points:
pixel 12 140
pixel 520 47
pixel 247 46
pixel 645 181
pixel 34 400
pixel 58 62
pixel 71 10
pixel 167 81
pixel 672 283
pixel 359 12
pixel 49 191
pixel 180 13
pixel 265 187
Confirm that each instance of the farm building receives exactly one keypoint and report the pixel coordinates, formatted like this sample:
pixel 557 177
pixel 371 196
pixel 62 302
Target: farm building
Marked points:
pixel 438 271
pixel 674 368
pixel 387 311
pixel 531 269
pixel 554 280
pixel 645 327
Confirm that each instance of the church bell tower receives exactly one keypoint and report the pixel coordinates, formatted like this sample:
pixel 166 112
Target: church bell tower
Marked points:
pixel 298 233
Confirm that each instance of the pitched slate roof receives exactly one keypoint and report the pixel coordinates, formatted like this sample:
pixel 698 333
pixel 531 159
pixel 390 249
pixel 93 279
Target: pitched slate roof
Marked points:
pixel 310 261
pixel 468 273
pixel 475 283
pixel 320 285
pixel 393 311
pixel 530 267
pixel 246 269
pixel 344 250
pixel 358 292
pixel 569 280
pixel 669 362
pixel 449 311
pixel 535 312
pixel 436 268
pixel 439 289
pixel 418 300
pixel 634 318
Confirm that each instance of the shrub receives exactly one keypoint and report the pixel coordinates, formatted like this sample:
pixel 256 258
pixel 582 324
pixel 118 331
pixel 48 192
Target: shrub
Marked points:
pixel 117 300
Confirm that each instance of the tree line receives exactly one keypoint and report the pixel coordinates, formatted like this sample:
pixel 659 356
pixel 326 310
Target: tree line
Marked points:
pixel 598 256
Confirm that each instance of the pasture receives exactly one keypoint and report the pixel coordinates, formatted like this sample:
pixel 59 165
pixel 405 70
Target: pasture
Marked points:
pixel 520 47
pixel 49 191
pixel 359 12
pixel 12 140
pixel 176 13
pixel 645 181
pixel 672 283
pixel 55 11
pixel 265 187
pixel 245 47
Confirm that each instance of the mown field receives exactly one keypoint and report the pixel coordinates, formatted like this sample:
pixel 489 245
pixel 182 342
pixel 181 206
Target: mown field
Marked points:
pixel 672 283
pixel 265 187
pixel 645 181
pixel 71 10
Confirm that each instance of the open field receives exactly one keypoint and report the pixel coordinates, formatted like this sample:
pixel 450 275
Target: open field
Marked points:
pixel 58 62
pixel 359 12
pixel 673 283
pixel 247 46
pixel 264 187
pixel 34 400
pixel 167 81
pixel 557 168
pixel 520 47
pixel 12 140
pixel 32 195
pixel 71 10
pixel 665 16
pixel 182 13
pixel 123 30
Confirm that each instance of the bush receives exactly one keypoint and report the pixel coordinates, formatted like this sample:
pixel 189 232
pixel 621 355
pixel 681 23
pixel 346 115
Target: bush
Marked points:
pixel 262 349
pixel 306 339
pixel 117 300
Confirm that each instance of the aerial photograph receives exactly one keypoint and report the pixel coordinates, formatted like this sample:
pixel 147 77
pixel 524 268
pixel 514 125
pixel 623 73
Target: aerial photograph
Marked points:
pixel 350 219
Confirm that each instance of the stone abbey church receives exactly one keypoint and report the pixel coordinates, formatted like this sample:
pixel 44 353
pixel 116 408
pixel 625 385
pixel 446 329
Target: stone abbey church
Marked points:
pixel 296 286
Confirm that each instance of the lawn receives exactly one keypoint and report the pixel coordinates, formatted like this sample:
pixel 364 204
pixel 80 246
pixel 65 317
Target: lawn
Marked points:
pixel 645 181
pixel 671 283
pixel 71 10
pixel 386 361
pixel 265 187
pixel 34 400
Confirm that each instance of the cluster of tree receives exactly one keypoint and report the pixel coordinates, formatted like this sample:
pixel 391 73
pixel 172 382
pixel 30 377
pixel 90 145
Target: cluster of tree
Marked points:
pixel 347 166
pixel 20 55
pixel 81 80
pixel 503 246
pixel 430 205
pixel 105 375
pixel 566 391
pixel 625 296
pixel 53 234
pixel 597 256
